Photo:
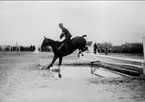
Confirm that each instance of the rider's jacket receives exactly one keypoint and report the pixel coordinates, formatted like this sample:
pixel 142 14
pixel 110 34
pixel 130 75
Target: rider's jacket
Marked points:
pixel 65 33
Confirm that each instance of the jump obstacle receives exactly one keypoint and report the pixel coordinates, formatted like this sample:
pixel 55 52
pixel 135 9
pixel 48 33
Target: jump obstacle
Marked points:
pixel 94 58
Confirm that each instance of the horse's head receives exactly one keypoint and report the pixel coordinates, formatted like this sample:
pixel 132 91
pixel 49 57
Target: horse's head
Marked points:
pixel 46 42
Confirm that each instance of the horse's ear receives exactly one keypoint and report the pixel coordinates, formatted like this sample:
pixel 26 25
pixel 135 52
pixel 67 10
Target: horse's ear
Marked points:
pixel 44 37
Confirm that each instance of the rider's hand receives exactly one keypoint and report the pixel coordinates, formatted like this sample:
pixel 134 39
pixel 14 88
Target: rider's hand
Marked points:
pixel 60 40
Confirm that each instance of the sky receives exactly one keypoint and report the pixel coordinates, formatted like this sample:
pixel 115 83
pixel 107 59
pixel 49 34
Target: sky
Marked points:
pixel 27 22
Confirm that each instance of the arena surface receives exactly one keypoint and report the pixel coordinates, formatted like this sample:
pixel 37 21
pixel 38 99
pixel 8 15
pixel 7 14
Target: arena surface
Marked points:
pixel 21 80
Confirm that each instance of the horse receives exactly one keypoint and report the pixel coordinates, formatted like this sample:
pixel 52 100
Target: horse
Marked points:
pixel 78 42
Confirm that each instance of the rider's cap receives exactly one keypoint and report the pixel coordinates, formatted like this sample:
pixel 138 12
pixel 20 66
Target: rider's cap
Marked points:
pixel 60 23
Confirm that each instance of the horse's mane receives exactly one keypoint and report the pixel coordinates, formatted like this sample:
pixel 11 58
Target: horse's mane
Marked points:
pixel 58 43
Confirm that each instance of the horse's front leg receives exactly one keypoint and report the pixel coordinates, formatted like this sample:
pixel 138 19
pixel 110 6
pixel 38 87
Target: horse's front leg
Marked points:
pixel 51 64
pixel 60 62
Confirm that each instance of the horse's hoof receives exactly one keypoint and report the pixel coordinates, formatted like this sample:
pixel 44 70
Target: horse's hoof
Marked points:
pixel 59 75
pixel 49 66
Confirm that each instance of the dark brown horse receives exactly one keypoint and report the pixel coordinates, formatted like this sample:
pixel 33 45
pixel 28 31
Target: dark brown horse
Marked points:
pixel 78 42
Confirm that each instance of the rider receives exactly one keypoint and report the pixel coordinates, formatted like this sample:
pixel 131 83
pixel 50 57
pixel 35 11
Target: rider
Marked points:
pixel 65 33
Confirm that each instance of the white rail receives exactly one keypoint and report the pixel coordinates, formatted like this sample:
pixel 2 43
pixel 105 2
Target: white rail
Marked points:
pixel 119 58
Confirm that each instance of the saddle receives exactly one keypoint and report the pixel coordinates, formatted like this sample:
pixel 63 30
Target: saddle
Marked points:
pixel 63 46
pixel 59 43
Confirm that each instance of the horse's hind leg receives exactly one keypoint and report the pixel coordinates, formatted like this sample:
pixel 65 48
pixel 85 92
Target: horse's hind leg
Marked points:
pixel 60 62
pixel 84 49
pixel 51 64
pixel 79 53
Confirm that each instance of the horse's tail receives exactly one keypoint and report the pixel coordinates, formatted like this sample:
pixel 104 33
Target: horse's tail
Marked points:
pixel 84 36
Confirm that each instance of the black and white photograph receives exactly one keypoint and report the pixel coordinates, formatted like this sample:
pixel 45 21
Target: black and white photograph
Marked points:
pixel 72 51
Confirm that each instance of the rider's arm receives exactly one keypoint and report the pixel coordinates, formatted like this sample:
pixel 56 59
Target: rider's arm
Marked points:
pixel 62 35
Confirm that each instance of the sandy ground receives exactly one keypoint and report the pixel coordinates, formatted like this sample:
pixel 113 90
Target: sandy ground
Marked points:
pixel 22 81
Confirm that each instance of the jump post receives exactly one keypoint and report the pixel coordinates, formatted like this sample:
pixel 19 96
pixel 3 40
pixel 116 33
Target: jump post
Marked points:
pixel 143 64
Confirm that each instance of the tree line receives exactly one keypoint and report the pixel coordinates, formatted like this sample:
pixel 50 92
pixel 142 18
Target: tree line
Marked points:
pixel 124 48
pixel 17 48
